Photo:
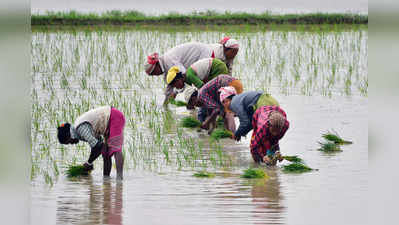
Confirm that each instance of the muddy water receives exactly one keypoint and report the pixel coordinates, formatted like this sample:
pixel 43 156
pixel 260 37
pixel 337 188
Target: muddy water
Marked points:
pixel 155 191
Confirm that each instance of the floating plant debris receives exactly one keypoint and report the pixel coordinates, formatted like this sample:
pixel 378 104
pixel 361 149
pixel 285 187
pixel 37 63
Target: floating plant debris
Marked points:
pixel 203 174
pixel 190 122
pixel 254 173
pixel 329 147
pixel 76 171
pixel 221 133
pixel 293 158
pixel 177 103
pixel 296 168
pixel 335 138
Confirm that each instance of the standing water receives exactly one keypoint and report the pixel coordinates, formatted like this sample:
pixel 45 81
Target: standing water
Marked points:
pixel 318 75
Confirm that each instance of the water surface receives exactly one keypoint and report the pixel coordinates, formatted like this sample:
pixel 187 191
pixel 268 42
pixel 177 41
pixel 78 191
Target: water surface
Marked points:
pixel 320 79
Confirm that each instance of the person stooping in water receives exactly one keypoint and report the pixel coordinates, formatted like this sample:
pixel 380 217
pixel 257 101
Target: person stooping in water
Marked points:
pixel 262 113
pixel 95 126
pixel 184 55
pixel 208 98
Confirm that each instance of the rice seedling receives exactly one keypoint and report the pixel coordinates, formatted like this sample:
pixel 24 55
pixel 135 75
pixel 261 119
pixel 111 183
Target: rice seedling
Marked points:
pixel 177 103
pixel 296 168
pixel 76 171
pixel 254 173
pixel 219 122
pixel 204 173
pixel 329 147
pixel 48 179
pixel 71 76
pixel 293 158
pixel 218 134
pixel 190 122
pixel 334 137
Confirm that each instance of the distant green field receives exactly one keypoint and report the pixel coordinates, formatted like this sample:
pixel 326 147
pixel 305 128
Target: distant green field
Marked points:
pixel 195 18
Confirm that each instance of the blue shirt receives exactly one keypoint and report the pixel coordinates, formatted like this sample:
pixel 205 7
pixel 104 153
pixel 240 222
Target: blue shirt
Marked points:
pixel 242 106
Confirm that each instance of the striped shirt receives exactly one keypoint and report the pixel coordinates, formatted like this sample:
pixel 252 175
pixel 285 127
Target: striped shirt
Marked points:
pixel 85 132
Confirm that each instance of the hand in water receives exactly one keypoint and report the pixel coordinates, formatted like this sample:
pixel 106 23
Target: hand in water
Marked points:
pixel 237 138
pixel 278 156
pixel 88 167
pixel 267 160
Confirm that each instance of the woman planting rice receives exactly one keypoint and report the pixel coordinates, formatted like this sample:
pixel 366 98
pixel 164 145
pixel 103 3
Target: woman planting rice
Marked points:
pixel 208 97
pixel 269 124
pixel 93 126
pixel 197 74
pixel 261 112
pixel 184 55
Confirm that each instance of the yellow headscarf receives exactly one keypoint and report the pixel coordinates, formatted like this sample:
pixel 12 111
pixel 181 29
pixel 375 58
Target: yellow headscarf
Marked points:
pixel 172 74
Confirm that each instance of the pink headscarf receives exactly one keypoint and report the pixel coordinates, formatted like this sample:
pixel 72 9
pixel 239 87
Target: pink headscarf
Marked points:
pixel 229 42
pixel 226 92
pixel 151 62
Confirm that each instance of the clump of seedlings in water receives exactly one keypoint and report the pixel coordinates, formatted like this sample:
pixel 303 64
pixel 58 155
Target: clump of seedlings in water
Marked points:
pixel 335 138
pixel 204 174
pixel 254 173
pixel 177 103
pixel 190 122
pixel 329 147
pixel 76 171
pixel 219 122
pixel 221 133
pixel 296 168
pixel 293 158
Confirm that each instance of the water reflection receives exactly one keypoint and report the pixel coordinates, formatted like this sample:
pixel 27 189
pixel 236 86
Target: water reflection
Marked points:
pixel 113 202
pixel 102 203
pixel 266 196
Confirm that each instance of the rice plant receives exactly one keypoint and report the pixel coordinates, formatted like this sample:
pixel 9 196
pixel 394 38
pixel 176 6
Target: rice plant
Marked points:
pixel 204 174
pixel 219 133
pixel 334 137
pixel 177 103
pixel 293 158
pixel 329 147
pixel 76 171
pixel 190 122
pixel 296 168
pixel 254 173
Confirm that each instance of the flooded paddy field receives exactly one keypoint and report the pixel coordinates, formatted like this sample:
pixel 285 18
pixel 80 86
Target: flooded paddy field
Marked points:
pixel 318 75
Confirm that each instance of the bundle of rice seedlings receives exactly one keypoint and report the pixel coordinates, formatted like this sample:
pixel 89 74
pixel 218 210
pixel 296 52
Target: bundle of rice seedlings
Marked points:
pixel 220 122
pixel 204 174
pixel 293 158
pixel 329 147
pixel 177 103
pixel 219 133
pixel 296 168
pixel 335 138
pixel 190 122
pixel 254 173
pixel 76 171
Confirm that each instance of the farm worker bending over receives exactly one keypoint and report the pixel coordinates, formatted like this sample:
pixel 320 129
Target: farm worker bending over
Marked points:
pixel 93 126
pixel 197 74
pixel 261 112
pixel 208 97
pixel 184 55
pixel 226 50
